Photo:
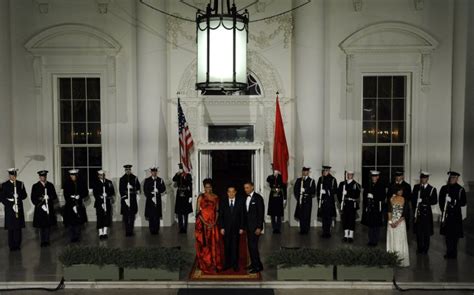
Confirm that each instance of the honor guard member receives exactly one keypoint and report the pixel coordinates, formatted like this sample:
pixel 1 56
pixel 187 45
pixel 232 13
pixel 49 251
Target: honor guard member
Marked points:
pixel 129 187
pixel 423 197
pixel 184 197
pixel 348 196
pixel 75 192
pixel 153 187
pixel 373 204
pixel 326 191
pixel 104 193
pixel 305 191
pixel 452 197
pixel 399 181
pixel 276 200
pixel 12 196
pixel 44 198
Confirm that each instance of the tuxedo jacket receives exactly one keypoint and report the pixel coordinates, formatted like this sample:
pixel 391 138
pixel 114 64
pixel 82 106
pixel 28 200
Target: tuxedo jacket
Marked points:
pixel 254 216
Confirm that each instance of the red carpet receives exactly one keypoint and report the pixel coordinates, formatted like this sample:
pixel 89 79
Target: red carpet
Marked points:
pixel 242 275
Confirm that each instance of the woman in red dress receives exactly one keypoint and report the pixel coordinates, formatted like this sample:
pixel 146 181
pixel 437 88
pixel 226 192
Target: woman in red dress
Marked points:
pixel 208 239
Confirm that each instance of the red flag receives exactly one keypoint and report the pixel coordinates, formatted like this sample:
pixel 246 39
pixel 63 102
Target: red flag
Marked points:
pixel 280 148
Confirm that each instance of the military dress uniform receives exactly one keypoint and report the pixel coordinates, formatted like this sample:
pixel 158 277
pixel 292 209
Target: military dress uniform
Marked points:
pixel 276 201
pixel 75 192
pixel 451 225
pixel 305 191
pixel 373 204
pixel 12 195
pixel 44 198
pixel 184 197
pixel 153 188
pixel 348 196
pixel 129 186
pixel 423 197
pixel 104 193
pixel 326 191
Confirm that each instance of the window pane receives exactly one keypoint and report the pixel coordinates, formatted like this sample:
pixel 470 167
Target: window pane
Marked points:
pixel 66 133
pixel 66 157
pixel 368 155
pixel 398 153
pixel 384 110
pixel 95 156
pixel 368 132
pixel 80 156
pixel 79 111
pixel 65 111
pixel 78 88
pixel 398 109
pixel 80 133
pixel 398 132
pixel 369 109
pixel 383 132
pixel 64 175
pixel 93 111
pixel 399 86
pixel 370 86
pixel 94 133
pixel 93 88
pixel 384 87
pixel 64 88
pixel 383 155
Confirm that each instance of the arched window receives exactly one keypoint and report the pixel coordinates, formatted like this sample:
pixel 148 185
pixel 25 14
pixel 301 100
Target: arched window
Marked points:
pixel 253 89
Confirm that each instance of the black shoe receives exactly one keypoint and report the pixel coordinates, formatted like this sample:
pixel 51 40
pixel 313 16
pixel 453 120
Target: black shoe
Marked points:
pixel 254 270
pixel 106 237
pixel 249 267
pixel 345 240
pixel 350 240
pixel 129 234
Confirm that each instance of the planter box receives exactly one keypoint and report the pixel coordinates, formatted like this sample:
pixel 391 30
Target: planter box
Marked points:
pixel 306 273
pixel 150 274
pixel 364 273
pixel 90 272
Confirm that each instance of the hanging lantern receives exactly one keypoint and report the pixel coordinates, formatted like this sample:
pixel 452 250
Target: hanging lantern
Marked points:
pixel 221 48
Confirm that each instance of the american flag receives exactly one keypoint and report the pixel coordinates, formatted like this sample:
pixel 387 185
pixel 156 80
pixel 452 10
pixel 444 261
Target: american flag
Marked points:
pixel 186 142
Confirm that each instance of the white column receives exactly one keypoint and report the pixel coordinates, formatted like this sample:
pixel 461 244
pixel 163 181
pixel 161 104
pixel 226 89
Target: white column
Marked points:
pixel 6 154
pixel 308 44
pixel 152 96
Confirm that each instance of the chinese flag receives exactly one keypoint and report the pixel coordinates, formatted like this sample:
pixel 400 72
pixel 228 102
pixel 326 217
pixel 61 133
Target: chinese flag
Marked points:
pixel 280 149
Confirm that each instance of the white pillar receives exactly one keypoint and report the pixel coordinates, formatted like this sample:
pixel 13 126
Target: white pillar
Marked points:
pixel 6 154
pixel 308 44
pixel 152 96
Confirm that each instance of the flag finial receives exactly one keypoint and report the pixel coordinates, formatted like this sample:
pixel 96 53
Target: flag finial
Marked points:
pixel 278 92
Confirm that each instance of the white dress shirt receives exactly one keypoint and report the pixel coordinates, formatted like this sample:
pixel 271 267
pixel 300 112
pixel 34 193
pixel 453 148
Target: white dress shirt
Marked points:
pixel 249 198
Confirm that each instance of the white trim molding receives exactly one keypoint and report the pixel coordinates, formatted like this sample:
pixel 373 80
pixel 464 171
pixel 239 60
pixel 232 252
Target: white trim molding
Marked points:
pixel 389 37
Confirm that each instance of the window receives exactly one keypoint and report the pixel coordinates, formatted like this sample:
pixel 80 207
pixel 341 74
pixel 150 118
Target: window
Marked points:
pixel 230 133
pixel 253 88
pixel 383 125
pixel 79 127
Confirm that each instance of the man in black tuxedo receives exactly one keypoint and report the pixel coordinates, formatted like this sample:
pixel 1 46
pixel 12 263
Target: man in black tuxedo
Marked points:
pixel 231 224
pixel 254 217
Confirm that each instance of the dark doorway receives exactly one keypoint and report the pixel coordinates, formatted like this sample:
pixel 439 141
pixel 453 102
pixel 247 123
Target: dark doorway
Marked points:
pixel 231 168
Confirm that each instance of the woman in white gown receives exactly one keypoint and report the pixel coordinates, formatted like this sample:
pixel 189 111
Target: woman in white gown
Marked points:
pixel 396 229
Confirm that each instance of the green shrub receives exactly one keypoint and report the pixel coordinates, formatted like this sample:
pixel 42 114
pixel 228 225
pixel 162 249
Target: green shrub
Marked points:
pixel 349 256
pixel 158 257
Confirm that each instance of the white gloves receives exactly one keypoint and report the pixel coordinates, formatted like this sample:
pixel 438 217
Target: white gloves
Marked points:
pixel 448 199
pixel 75 197
pixel 45 209
pixel 344 192
pixel 322 191
pixel 104 195
pixel 127 202
pixel 190 200
pixel 302 189
pixel 129 186
pixel 46 197
pixel 104 207
pixel 419 200
pixel 284 203
pixel 370 196
pixel 153 199
pixel 74 209
pixel 15 208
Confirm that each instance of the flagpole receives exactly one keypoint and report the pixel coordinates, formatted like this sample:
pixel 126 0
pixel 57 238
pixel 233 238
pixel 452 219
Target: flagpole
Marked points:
pixel 177 109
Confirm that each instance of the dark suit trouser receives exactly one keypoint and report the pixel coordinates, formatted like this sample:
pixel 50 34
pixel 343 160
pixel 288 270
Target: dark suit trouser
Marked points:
pixel 327 222
pixel 374 235
pixel 74 232
pixel 44 235
pixel 129 222
pixel 231 249
pixel 452 246
pixel 183 221
pixel 154 224
pixel 252 241
pixel 276 222
pixel 14 238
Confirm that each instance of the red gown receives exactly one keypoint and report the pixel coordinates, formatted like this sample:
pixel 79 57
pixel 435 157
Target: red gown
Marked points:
pixel 208 239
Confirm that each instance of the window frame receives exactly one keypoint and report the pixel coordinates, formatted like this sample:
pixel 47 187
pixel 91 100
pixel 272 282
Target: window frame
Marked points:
pixel 57 121
pixel 407 120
